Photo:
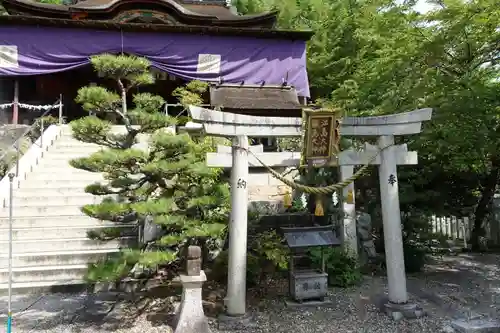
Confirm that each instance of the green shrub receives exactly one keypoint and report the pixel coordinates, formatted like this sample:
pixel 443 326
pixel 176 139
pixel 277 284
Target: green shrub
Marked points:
pixel 271 247
pixel 267 255
pixel 182 120
pixel 416 241
pixel 254 268
pixel 9 160
pixel 343 270
pixel 37 126
pixel 415 256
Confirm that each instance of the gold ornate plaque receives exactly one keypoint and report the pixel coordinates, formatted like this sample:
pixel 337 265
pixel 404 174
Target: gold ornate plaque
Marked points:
pixel 322 136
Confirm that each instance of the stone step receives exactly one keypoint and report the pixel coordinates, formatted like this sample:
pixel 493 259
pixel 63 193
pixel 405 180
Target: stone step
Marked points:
pixel 68 173
pixel 65 232
pixel 68 142
pixel 51 221
pixel 63 156
pixel 52 164
pixel 44 273
pixel 59 163
pixel 70 145
pixel 50 244
pixel 58 200
pixel 43 210
pixel 47 244
pixel 35 286
pixel 43 258
pixel 81 152
pixel 49 192
pixel 56 183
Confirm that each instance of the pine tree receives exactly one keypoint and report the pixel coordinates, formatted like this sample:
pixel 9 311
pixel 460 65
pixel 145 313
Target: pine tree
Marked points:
pixel 166 185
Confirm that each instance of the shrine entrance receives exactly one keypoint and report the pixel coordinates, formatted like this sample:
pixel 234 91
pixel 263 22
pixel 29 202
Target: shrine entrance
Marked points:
pixel 45 89
pixel 320 149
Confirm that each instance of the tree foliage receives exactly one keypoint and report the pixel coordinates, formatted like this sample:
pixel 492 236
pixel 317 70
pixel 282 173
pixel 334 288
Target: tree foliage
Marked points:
pixel 153 178
pixel 445 59
pixel 381 56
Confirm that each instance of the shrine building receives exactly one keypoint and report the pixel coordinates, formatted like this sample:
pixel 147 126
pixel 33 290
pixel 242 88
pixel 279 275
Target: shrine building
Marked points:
pixel 254 68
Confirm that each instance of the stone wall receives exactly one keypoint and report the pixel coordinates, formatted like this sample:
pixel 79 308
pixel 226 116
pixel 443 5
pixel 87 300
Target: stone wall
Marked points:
pixel 263 186
pixel 264 189
pixel 9 134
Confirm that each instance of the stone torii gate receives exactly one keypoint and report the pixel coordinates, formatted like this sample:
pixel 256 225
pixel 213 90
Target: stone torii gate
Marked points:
pixel 347 159
pixel 240 127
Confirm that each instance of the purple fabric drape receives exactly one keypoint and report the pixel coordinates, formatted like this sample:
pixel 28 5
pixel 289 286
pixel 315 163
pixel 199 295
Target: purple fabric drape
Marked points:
pixel 42 50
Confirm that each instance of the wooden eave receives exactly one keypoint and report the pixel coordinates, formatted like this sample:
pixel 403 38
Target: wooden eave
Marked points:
pixel 264 33
pixel 106 10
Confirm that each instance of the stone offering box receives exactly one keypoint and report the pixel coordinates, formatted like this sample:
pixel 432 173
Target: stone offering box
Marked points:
pixel 308 283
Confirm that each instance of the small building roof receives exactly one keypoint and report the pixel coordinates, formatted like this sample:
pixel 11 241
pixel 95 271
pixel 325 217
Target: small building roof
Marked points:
pixel 264 100
pixel 310 237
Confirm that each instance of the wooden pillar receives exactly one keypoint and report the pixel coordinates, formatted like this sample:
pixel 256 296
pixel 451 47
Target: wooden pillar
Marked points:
pixel 15 106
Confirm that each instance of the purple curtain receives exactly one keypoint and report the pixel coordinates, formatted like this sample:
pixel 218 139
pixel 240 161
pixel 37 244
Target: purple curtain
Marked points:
pixel 41 50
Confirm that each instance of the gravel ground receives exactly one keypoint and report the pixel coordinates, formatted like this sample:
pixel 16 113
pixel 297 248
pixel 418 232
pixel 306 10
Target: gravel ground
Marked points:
pixel 463 286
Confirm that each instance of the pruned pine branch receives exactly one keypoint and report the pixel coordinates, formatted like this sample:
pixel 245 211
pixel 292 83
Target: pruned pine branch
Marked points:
pixel 162 186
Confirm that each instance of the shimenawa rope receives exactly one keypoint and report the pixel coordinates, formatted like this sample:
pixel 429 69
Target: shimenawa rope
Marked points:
pixel 320 190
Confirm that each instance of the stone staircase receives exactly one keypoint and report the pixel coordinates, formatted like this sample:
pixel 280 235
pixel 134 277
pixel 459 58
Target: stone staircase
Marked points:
pixel 50 244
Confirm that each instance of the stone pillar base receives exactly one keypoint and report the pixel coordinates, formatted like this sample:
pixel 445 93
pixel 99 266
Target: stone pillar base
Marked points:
pixel 400 311
pixel 235 323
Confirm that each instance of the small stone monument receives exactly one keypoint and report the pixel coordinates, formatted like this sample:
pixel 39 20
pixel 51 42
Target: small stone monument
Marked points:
pixel 190 317
pixel 364 229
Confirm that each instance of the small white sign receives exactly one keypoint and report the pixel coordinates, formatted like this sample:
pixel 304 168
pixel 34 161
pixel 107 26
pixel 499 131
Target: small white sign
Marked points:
pixel 9 56
pixel 208 64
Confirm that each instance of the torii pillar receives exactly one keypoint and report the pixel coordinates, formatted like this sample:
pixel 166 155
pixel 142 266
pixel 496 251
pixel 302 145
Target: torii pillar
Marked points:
pixel 239 128
pixel 386 128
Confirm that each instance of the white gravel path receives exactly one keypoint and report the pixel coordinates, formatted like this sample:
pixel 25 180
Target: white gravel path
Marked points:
pixel 464 285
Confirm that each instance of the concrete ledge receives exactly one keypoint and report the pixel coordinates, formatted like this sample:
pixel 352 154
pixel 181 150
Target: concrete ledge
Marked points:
pixel 476 326
pixel 46 287
pixel 127 288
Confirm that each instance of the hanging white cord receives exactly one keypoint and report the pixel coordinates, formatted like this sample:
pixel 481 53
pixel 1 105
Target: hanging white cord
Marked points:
pixel 30 106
